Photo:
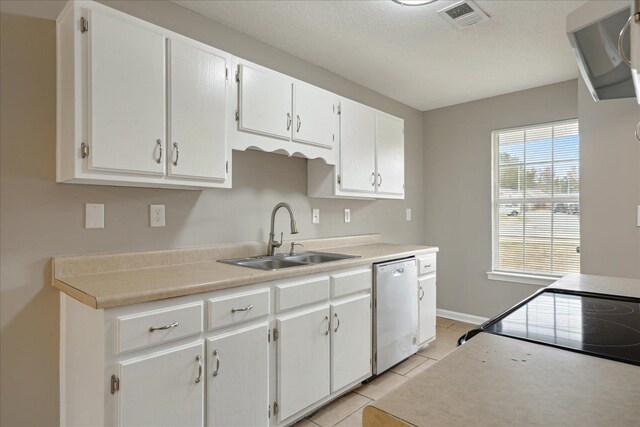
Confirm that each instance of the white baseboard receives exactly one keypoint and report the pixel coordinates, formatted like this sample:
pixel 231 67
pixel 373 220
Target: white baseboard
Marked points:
pixel 461 317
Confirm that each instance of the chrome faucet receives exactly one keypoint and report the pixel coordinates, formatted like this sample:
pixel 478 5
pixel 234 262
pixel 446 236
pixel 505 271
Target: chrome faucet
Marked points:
pixel 273 244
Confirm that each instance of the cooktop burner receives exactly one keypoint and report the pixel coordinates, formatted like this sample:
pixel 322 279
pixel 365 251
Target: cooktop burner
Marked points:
pixel 600 325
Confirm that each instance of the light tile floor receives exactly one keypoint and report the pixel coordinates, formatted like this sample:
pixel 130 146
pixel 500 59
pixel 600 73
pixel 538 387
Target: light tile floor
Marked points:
pixel 346 411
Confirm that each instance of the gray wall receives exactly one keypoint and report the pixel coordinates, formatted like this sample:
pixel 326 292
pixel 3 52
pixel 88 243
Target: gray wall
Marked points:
pixel 41 219
pixel 610 186
pixel 457 185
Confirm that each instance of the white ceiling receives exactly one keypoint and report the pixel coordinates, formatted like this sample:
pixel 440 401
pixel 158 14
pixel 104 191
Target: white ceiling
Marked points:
pixel 412 54
pixel 408 53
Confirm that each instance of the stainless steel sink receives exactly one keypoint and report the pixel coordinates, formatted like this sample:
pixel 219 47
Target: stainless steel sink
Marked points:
pixel 317 257
pixel 277 262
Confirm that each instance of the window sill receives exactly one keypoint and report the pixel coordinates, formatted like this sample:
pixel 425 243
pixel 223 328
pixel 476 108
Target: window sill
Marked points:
pixel 527 279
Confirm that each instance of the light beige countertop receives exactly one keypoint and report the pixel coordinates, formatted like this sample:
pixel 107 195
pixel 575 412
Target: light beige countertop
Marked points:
pixel 499 381
pixel 112 280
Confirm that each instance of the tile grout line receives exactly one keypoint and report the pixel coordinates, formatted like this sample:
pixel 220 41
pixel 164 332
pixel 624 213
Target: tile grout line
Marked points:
pixel 370 400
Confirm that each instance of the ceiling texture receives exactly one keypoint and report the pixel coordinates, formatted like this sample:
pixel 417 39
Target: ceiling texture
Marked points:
pixel 411 54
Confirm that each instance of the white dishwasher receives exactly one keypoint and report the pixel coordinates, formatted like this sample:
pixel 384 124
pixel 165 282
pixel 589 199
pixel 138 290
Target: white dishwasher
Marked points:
pixel 395 313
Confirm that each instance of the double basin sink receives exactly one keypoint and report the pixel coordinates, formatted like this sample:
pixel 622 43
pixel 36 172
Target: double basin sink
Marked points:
pixel 277 262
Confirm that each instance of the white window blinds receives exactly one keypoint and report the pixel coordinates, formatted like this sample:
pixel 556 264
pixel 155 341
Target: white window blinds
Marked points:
pixel 536 209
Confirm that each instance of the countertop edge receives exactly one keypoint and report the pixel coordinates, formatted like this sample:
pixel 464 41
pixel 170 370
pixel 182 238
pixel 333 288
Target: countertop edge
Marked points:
pixel 250 279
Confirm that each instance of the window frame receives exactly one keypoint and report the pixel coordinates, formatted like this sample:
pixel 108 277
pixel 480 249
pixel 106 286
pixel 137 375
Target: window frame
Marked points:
pixel 519 276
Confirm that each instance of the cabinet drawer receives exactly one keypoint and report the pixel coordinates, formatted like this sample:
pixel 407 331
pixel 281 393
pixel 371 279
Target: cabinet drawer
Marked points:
pixel 302 293
pixel 426 264
pixel 238 308
pixel 350 282
pixel 158 326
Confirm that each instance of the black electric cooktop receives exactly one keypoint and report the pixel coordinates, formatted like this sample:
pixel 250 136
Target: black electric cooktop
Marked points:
pixel 600 325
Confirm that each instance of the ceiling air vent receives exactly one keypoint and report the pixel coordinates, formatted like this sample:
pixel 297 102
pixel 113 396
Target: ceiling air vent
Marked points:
pixel 463 14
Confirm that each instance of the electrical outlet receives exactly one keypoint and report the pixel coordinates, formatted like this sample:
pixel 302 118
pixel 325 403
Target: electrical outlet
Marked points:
pixel 315 216
pixel 347 215
pixel 93 215
pixel 408 214
pixel 156 216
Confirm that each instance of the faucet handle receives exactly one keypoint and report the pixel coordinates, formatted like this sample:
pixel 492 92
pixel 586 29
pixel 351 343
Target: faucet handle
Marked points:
pixel 277 244
pixel 293 248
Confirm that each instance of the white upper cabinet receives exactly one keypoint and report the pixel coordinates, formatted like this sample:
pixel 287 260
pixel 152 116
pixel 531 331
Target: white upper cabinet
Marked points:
pixel 138 105
pixel 389 154
pixel 279 114
pixel 371 160
pixel 357 148
pixel 314 115
pixel 126 95
pixel 197 111
pixel 264 102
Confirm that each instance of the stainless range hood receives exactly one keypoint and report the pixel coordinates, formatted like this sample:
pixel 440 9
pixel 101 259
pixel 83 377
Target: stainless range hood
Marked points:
pixel 594 30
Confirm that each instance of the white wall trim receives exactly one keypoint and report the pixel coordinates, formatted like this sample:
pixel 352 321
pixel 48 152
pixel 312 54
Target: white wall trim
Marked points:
pixel 526 279
pixel 461 317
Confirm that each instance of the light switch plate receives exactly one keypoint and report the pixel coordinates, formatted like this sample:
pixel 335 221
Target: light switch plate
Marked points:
pixel 315 216
pixel 347 215
pixel 408 214
pixel 156 216
pixel 94 215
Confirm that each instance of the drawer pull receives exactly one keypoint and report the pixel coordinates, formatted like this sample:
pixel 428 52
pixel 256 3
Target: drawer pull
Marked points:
pixel 428 265
pixel 247 308
pixel 165 327
pixel 215 353
pixel 199 360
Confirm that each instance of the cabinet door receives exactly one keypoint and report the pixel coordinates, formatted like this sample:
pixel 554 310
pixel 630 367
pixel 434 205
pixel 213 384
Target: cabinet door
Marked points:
pixel 314 115
pixel 303 360
pixel 427 307
pixel 390 154
pixel 238 378
pixel 197 110
pixel 350 341
pixel 357 148
pixel 164 388
pixel 127 95
pixel 264 102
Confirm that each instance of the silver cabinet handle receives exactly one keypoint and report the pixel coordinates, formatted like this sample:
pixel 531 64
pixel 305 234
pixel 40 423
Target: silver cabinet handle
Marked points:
pixel 338 320
pixel 380 178
pixel 621 41
pixel 215 353
pixel 247 308
pixel 177 150
pixel 288 121
pixel 199 360
pixel 159 144
pixel 373 179
pixel 421 293
pixel 165 327
pixel 326 318
pixel 299 123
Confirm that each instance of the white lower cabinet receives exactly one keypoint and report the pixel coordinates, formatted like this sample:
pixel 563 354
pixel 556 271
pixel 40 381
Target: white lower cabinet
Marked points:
pixel 303 360
pixel 427 307
pixel 238 377
pixel 350 341
pixel 163 389
pixel 267 355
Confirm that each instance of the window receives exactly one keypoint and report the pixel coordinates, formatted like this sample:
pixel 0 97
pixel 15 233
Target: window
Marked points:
pixel 536 208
